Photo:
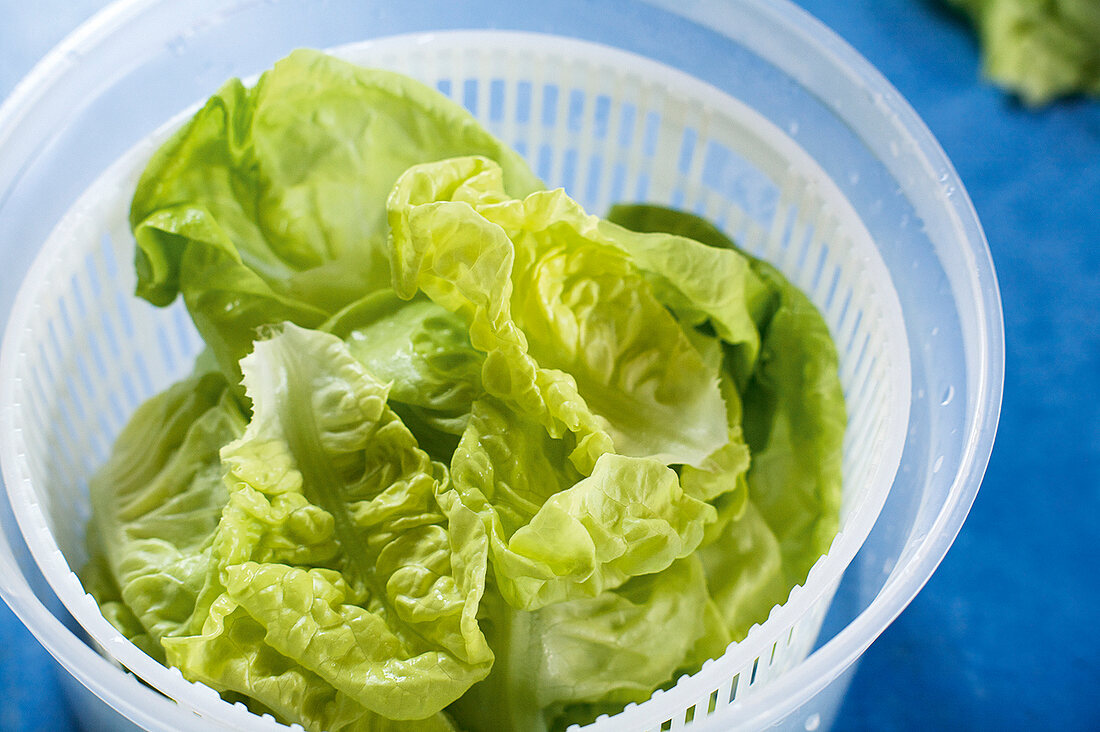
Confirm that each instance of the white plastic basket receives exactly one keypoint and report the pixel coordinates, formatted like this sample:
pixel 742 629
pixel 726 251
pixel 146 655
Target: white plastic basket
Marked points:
pixel 81 352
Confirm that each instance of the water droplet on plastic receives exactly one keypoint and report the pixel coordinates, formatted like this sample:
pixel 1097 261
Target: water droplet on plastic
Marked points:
pixel 935 331
pixel 177 45
pixel 938 464
pixel 853 177
pixel 948 395
pixel 792 128
pixel 813 722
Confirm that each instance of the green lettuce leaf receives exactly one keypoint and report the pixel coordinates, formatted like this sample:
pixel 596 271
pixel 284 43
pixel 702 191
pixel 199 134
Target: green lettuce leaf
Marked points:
pixel 269 205
pixel 303 560
pixel 332 550
pixel 100 583
pixel 556 535
pixel 794 425
pixel 703 285
pixel 573 333
pixel 571 661
pixel 156 502
pixel 423 351
pixel 1041 50
pixel 745 571
pixel 793 410
pixel 722 478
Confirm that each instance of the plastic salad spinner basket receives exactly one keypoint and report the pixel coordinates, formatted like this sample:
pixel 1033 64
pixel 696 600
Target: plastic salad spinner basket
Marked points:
pixel 750 113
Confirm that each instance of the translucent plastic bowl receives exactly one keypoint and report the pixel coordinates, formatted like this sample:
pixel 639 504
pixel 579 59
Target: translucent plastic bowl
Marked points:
pixel 781 133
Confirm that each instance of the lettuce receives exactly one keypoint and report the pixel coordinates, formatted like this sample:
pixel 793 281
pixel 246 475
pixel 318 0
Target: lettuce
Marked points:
pixel 1040 50
pixel 460 455
pixel 554 539
pixel 574 660
pixel 317 575
pixel 573 334
pixel 424 353
pixel 156 502
pixel 794 414
pixel 269 204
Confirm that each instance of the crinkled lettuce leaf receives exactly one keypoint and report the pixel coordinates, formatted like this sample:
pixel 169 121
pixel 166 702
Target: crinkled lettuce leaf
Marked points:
pixel 574 335
pixel 423 351
pixel 702 285
pixel 793 410
pixel 156 503
pixel 722 478
pixel 269 204
pixel 557 535
pixel 319 575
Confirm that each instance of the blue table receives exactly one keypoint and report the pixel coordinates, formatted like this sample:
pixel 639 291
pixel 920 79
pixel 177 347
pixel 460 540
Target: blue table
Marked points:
pixel 1004 636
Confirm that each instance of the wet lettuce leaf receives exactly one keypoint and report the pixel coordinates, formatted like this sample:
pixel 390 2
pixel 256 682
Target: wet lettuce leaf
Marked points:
pixel 269 204
pixel 570 661
pixel 423 351
pixel 573 334
pixel 319 575
pixel 557 535
pixel 793 407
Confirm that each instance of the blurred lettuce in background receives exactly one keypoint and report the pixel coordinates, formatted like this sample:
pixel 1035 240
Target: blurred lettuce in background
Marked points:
pixel 1041 50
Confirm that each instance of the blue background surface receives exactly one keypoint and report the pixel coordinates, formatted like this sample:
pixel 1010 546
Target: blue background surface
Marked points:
pixel 1004 636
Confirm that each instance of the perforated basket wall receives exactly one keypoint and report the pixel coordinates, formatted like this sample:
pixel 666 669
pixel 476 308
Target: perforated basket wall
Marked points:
pixel 82 352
